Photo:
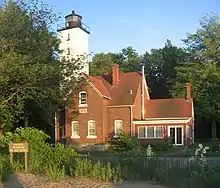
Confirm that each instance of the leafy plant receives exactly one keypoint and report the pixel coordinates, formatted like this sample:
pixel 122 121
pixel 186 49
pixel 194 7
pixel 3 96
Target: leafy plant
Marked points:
pixel 5 167
pixel 98 171
pixel 54 172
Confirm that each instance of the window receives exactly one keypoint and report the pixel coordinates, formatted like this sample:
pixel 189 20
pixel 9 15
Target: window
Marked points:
pixel 118 127
pixel 159 132
pixel 141 132
pixel 68 51
pixel 91 129
pixel 151 132
pixel 68 37
pixel 82 98
pixel 75 129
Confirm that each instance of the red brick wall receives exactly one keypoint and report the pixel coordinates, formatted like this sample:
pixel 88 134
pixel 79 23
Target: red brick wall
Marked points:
pixel 95 111
pixel 119 113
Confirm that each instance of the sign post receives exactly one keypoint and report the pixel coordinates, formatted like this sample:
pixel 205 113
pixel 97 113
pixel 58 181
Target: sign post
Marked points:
pixel 19 148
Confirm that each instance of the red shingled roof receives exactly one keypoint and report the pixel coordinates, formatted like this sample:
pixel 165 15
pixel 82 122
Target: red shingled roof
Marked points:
pixel 119 95
pixel 168 108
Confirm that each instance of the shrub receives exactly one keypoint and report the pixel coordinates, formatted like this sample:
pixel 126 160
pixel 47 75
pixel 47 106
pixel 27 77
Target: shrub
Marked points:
pixel 124 143
pixel 41 154
pixel 5 167
pixel 162 145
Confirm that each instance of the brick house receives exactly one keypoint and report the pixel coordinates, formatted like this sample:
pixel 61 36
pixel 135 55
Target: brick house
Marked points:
pixel 121 101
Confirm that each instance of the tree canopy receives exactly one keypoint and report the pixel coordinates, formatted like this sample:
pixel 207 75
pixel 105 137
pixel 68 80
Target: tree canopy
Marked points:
pixel 31 74
pixel 169 68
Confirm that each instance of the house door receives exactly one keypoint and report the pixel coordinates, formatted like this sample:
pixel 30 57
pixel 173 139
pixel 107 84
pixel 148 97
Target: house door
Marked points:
pixel 176 132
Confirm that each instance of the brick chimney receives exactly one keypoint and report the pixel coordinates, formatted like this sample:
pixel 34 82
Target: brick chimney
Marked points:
pixel 115 74
pixel 188 91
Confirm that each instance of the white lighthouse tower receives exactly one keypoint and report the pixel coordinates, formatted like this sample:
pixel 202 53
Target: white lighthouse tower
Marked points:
pixel 74 38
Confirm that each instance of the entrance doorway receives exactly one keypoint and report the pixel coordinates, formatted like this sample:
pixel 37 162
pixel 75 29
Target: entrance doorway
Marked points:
pixel 176 132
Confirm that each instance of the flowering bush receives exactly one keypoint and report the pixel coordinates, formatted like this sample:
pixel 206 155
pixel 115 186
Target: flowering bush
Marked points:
pixel 200 155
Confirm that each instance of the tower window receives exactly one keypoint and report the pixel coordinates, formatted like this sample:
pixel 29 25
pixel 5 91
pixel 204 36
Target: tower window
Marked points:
pixel 68 51
pixel 68 37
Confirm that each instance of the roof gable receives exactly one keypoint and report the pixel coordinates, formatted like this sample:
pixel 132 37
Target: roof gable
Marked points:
pixel 124 93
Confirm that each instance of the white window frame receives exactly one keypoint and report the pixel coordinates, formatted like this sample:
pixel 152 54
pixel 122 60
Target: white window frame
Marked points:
pixel 115 124
pixel 83 105
pixel 72 128
pixel 89 135
pixel 146 137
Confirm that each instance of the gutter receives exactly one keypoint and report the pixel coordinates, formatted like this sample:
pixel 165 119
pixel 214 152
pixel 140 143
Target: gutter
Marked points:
pixel 131 120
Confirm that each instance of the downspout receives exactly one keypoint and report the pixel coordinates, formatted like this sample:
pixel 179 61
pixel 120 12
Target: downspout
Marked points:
pixel 131 119
pixel 142 95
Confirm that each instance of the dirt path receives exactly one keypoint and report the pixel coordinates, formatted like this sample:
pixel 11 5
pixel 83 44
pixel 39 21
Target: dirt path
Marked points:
pixel 33 181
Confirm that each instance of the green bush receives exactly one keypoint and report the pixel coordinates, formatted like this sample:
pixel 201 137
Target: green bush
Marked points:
pixel 124 143
pixel 41 154
pixel 160 145
pixel 5 167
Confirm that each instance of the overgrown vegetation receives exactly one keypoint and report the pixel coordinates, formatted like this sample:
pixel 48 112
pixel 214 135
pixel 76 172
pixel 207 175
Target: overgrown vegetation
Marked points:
pixel 55 162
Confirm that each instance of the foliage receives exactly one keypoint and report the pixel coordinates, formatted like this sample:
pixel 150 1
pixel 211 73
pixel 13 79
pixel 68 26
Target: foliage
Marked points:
pixel 203 70
pixel 40 154
pixel 54 172
pixel 85 168
pixel 30 73
pixel 5 167
pixel 130 146
pixel 124 142
pixel 128 60
pixel 163 145
pixel 160 68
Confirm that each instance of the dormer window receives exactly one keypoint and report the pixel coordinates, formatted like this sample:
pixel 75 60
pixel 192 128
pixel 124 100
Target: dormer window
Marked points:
pixel 83 98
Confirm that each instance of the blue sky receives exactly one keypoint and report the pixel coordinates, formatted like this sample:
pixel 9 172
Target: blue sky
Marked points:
pixel 142 24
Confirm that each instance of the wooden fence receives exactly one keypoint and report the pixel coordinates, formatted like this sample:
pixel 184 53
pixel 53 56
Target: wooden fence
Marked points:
pixel 169 162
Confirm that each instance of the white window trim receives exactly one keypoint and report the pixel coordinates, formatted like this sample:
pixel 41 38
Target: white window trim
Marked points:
pixel 91 136
pixel 115 123
pixel 178 126
pixel 146 133
pixel 76 136
pixel 83 105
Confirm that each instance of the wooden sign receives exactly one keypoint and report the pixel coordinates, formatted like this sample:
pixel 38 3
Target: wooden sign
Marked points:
pixel 19 148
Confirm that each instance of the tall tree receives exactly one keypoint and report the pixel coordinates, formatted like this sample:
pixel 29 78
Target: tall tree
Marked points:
pixel 203 71
pixel 160 68
pixel 32 80
pixel 128 60
pixel 204 45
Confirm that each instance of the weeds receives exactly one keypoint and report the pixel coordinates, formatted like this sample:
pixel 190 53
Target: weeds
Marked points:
pixel 54 172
